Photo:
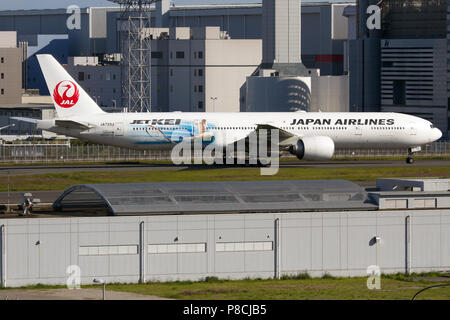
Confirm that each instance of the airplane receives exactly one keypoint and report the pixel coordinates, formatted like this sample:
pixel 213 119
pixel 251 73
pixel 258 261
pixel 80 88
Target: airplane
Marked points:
pixel 6 127
pixel 307 135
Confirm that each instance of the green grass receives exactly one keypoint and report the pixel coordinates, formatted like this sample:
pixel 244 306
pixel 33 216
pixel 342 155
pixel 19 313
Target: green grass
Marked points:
pixel 297 287
pixel 300 286
pixel 58 181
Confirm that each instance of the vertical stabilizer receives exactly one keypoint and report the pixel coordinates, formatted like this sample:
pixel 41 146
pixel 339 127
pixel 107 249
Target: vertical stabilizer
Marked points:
pixel 68 96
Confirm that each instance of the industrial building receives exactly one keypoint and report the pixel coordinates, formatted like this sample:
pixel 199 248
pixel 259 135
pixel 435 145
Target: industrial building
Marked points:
pixel 13 101
pixel 231 230
pixel 101 81
pixel 321 51
pixel 402 66
pixel 10 69
pixel 337 65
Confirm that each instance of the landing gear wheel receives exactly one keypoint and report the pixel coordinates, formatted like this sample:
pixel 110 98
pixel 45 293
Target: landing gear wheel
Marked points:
pixel 409 160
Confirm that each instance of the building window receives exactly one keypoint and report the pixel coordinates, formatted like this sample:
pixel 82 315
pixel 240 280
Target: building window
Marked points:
pixel 399 92
pixel 2 59
pixel 80 76
pixel 176 248
pixel 200 72
pixel 114 90
pixel 180 54
pixel 200 54
pixel 89 76
pixel 114 77
pixel 3 76
pixel 107 250
pixel 244 246
pixel 3 91
pixel 200 88
pixel 157 55
pixel 200 104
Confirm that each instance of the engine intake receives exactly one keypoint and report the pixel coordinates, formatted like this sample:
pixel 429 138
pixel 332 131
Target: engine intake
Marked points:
pixel 313 148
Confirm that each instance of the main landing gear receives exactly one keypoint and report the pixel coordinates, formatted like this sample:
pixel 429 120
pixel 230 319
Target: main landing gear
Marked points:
pixel 411 152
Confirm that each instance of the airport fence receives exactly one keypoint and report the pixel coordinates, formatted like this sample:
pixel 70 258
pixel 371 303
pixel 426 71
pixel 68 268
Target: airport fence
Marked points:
pixel 65 152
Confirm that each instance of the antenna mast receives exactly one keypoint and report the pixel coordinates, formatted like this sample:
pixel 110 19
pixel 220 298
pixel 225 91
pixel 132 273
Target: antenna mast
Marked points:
pixel 136 54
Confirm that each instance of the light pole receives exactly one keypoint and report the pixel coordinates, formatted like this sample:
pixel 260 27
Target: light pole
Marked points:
pixel 214 103
pixel 101 281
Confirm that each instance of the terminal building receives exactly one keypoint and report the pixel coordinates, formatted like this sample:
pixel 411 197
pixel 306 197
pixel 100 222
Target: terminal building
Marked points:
pixel 231 230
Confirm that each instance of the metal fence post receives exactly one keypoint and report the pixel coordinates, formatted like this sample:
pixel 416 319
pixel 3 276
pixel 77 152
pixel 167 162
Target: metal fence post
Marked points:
pixel 141 252
pixel 2 256
pixel 276 248
pixel 407 244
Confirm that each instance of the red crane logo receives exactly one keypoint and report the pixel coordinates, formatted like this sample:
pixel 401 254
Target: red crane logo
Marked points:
pixel 70 94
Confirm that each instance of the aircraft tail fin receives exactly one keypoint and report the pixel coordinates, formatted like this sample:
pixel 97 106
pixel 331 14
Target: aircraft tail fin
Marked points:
pixel 68 96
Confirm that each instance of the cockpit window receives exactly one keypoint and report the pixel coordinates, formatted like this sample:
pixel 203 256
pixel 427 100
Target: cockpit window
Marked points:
pixel 432 126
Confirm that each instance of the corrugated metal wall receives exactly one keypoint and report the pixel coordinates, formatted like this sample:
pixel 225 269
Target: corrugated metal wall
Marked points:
pixel 231 246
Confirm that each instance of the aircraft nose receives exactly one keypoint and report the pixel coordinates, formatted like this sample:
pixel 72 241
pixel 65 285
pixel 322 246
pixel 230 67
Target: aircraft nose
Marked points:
pixel 437 134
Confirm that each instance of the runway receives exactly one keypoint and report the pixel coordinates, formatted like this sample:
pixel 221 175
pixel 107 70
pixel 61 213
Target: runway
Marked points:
pixel 28 170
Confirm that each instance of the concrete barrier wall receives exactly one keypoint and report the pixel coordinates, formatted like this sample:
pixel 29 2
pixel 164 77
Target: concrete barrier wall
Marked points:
pixel 234 246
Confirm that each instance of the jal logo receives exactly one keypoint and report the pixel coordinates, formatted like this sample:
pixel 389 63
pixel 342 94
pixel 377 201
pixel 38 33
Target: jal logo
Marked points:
pixel 66 94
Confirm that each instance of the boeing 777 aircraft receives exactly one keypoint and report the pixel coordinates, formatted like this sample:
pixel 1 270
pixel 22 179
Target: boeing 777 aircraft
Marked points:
pixel 309 136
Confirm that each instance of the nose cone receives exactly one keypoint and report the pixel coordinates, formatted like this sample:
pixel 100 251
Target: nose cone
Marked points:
pixel 437 134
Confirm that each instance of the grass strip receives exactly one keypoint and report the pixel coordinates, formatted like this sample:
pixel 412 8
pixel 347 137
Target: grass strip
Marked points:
pixel 59 181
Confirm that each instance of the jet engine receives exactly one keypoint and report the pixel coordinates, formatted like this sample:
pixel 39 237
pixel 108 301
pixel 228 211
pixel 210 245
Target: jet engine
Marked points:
pixel 313 148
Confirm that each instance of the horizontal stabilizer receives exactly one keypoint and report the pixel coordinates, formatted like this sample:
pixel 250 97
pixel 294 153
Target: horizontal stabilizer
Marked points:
pixel 30 120
pixel 70 124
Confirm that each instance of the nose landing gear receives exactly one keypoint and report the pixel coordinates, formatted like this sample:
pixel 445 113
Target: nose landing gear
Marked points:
pixel 410 160
pixel 411 152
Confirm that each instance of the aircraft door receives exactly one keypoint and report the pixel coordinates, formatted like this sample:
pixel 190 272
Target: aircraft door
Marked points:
pixel 118 129
pixel 358 131
pixel 412 129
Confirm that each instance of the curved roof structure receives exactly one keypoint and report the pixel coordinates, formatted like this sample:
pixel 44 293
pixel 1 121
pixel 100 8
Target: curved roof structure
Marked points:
pixel 216 197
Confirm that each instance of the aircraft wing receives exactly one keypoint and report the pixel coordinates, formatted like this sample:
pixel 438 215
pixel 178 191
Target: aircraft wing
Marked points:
pixel 282 134
pixel 285 138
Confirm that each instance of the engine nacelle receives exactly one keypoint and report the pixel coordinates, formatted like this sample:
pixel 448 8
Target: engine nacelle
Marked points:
pixel 313 148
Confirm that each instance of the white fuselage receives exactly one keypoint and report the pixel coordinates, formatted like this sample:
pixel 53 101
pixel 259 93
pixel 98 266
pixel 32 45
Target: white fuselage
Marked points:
pixel 164 130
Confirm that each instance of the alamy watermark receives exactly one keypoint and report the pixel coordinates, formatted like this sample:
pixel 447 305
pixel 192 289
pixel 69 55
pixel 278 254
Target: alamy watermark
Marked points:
pixel 374 279
pixel 74 278
pixel 229 149
pixel 374 20
pixel 74 20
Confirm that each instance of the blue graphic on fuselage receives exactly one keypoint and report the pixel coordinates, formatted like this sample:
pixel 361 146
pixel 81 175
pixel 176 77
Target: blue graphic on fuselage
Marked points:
pixel 173 134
